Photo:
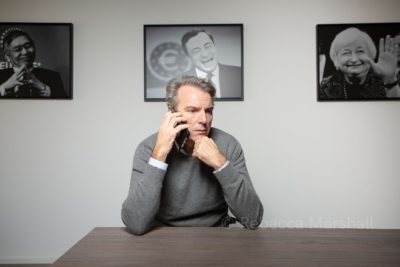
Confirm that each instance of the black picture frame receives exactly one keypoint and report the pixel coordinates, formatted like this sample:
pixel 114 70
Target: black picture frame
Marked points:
pixel 53 60
pixel 165 59
pixel 331 82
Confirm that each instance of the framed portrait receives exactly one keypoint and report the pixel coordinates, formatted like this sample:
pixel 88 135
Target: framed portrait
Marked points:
pixel 36 60
pixel 358 61
pixel 212 51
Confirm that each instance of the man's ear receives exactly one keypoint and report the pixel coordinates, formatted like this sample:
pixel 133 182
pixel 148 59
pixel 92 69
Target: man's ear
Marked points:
pixel 171 108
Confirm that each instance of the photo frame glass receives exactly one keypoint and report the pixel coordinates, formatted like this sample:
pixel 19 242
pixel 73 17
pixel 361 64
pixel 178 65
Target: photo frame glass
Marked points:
pixel 358 61
pixel 36 61
pixel 212 51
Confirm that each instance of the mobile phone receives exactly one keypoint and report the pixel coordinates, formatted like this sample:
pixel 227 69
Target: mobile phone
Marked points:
pixel 182 136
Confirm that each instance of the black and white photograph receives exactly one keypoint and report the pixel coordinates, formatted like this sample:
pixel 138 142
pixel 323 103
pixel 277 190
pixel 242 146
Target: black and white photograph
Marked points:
pixel 36 61
pixel 212 51
pixel 358 61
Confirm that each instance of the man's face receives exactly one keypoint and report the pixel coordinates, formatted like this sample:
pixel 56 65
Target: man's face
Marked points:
pixel 197 107
pixel 202 51
pixel 351 58
pixel 21 52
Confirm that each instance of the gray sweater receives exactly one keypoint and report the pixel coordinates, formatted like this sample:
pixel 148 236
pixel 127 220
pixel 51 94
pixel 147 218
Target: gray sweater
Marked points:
pixel 189 193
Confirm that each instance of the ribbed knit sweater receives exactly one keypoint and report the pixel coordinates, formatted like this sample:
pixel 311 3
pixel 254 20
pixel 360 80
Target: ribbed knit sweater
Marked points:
pixel 189 193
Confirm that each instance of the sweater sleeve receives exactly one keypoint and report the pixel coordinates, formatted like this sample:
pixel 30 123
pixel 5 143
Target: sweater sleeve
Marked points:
pixel 143 201
pixel 238 190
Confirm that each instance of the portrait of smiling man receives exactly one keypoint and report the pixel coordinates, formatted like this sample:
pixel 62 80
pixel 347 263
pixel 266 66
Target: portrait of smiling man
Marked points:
pixel 199 45
pixel 194 180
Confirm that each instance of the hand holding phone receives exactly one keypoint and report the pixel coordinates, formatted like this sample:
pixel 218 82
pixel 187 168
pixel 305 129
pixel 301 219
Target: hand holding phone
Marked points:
pixel 170 129
pixel 182 136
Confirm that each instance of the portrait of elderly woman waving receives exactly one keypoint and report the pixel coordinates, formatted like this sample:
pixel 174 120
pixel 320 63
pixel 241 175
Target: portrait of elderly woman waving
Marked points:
pixel 358 76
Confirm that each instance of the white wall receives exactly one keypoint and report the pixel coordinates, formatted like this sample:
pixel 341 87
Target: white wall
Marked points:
pixel 65 165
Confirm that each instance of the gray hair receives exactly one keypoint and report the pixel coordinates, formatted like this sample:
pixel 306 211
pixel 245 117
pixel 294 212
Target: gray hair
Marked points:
pixel 174 85
pixel 344 36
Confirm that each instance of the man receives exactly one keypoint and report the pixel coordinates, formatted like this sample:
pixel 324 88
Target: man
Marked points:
pixel 200 47
pixel 192 183
pixel 23 80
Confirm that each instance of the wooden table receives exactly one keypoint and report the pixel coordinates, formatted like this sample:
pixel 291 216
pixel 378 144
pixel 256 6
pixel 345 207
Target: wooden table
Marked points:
pixel 193 246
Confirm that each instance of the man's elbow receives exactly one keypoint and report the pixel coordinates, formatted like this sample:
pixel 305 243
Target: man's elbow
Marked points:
pixel 253 222
pixel 136 230
pixel 135 227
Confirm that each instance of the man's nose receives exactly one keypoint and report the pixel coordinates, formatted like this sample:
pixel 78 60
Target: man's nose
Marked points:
pixel 204 53
pixel 202 117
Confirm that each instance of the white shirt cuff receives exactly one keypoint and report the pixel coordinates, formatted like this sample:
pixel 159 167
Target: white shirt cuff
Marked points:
pixel 158 164
pixel 223 166
pixel 2 90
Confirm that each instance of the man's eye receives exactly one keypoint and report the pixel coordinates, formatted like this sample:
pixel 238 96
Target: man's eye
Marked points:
pixel 195 51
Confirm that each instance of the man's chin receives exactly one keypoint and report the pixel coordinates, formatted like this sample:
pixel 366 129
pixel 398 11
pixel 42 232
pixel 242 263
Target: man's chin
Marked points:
pixel 209 67
pixel 196 136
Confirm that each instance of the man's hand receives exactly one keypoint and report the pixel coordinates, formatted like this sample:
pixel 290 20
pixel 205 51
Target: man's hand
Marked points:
pixel 208 152
pixel 387 60
pixel 167 133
